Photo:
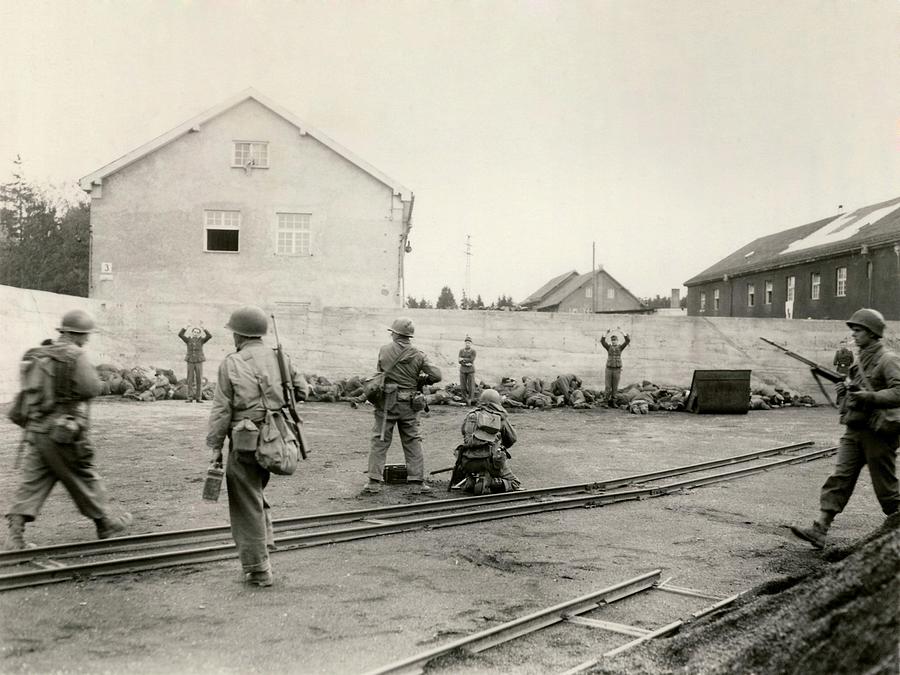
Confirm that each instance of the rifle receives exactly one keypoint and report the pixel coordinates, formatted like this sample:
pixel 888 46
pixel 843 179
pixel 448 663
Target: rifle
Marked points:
pixel 287 388
pixel 816 370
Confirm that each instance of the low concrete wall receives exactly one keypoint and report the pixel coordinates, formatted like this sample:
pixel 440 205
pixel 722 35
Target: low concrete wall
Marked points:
pixel 339 341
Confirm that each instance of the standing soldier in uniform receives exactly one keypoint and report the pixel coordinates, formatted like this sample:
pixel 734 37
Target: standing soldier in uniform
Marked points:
pixel 467 371
pixel 875 385
pixel 405 370
pixel 195 359
pixel 843 359
pixel 61 381
pixel 613 364
pixel 248 384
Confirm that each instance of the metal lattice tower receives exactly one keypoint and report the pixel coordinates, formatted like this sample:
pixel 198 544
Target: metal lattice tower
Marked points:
pixel 467 289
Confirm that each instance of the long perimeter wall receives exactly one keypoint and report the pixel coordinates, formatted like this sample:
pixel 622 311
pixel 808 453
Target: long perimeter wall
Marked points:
pixel 339 341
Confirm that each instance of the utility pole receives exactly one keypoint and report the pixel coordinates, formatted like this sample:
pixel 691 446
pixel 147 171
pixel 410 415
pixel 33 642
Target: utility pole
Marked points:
pixel 593 277
pixel 467 289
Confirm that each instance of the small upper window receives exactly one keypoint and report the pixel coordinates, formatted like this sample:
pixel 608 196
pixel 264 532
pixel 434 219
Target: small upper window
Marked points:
pixel 251 154
pixel 588 291
pixel 222 231
pixel 610 293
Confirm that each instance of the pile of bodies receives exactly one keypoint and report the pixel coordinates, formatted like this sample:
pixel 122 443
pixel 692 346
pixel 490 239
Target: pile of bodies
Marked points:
pixel 146 383
pixel 563 391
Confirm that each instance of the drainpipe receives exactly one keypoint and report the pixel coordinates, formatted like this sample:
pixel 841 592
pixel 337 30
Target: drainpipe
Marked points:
pixel 405 247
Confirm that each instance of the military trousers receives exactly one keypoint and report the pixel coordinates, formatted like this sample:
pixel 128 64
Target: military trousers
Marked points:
pixel 859 447
pixel 496 467
pixel 251 524
pixel 467 385
pixel 406 420
pixel 195 380
pixel 46 463
pixel 612 382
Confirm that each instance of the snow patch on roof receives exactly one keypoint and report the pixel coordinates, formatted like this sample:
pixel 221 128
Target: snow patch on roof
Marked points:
pixel 839 229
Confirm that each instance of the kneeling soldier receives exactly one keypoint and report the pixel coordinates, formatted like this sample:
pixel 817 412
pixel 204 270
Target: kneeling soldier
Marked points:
pixel 482 456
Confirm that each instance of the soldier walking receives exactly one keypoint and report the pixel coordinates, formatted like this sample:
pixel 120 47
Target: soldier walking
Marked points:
pixel 53 409
pixel 406 369
pixel 875 386
pixel 195 359
pixel 248 383
pixel 467 371
pixel 613 363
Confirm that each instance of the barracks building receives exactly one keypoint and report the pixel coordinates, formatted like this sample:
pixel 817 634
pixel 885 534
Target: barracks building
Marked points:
pixel 822 270
pixel 246 203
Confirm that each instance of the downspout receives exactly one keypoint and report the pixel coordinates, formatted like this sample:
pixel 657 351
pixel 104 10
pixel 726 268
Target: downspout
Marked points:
pixel 404 247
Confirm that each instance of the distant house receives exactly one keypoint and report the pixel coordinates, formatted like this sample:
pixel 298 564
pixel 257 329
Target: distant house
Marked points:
pixel 592 292
pixel 246 203
pixel 822 270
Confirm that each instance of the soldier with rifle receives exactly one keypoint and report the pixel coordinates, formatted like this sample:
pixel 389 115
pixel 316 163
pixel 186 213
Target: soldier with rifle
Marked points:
pixel 251 380
pixel 406 369
pixel 870 409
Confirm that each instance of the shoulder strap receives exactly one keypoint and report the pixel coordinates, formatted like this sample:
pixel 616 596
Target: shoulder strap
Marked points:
pixel 398 359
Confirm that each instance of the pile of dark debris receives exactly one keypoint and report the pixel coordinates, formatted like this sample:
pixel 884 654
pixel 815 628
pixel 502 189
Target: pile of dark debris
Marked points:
pixel 837 616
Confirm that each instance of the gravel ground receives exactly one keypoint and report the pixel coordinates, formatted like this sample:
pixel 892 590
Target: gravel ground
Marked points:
pixel 352 607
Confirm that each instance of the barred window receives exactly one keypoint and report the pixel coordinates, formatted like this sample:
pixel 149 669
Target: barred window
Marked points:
pixel 222 230
pixel 293 234
pixel 251 154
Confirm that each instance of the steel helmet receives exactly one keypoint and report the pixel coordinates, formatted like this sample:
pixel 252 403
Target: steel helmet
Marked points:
pixel 76 321
pixel 248 321
pixel 490 396
pixel 870 319
pixel 403 326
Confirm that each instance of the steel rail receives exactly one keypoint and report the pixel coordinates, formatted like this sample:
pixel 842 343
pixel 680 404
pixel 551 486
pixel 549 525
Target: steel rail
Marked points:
pixel 304 540
pixel 219 532
pixel 510 630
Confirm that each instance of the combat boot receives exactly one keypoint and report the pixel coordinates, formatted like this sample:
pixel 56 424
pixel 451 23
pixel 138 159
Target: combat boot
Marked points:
pixel 815 534
pixel 15 534
pixel 110 526
pixel 263 578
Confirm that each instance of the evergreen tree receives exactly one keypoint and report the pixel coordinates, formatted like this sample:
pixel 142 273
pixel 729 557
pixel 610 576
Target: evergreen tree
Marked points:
pixel 446 300
pixel 44 243
pixel 479 303
pixel 411 302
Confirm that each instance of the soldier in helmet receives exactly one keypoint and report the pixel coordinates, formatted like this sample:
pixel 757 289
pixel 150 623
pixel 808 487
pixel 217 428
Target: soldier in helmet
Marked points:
pixel 195 359
pixel 487 434
pixel 58 382
pixel 874 385
pixel 248 384
pixel 406 369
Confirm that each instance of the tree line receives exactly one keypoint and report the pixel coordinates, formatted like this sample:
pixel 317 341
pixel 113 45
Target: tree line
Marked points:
pixel 44 237
pixel 446 300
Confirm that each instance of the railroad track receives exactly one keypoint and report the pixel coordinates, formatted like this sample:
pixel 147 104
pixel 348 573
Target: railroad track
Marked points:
pixel 135 553
pixel 570 614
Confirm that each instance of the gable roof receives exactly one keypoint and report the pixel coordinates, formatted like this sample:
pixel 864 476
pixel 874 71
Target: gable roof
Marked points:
pixel 868 226
pixel 548 288
pixel 572 283
pixel 194 123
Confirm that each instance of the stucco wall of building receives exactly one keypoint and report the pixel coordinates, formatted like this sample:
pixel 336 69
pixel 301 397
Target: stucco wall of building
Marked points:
pixel 340 341
pixel 148 222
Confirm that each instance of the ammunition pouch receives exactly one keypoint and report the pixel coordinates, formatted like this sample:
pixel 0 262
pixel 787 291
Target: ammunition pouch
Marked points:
pixel 65 430
pixel 419 402
pixel 245 436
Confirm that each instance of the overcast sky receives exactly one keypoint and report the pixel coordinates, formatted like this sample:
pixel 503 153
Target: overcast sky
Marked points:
pixel 670 133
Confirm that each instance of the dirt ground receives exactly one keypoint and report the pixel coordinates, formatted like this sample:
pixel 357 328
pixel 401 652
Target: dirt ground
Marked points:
pixel 352 607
